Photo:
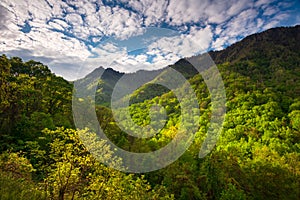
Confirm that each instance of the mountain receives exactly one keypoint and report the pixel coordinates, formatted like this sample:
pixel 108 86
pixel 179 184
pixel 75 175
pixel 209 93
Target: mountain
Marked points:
pixel 271 59
pixel 257 152
pixel 260 56
pixel 101 82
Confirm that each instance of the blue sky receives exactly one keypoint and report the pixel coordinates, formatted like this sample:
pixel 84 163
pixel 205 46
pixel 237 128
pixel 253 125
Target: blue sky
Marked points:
pixel 75 37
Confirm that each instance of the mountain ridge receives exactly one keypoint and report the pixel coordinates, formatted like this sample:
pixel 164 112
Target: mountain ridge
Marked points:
pixel 283 41
pixel 276 35
pixel 218 55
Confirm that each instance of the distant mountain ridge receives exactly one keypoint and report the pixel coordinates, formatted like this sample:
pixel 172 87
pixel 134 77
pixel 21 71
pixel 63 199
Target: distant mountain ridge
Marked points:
pixel 273 45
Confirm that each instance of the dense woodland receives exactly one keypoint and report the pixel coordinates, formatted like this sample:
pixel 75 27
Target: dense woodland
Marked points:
pixel 257 155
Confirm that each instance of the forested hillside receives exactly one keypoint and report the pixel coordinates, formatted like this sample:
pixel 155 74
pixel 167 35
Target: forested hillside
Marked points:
pixel 256 157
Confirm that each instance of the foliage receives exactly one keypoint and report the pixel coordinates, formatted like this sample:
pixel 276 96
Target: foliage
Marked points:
pixel 15 178
pixel 32 98
pixel 257 155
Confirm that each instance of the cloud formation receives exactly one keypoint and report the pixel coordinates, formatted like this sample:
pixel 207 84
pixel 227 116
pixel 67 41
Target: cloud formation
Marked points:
pixel 68 35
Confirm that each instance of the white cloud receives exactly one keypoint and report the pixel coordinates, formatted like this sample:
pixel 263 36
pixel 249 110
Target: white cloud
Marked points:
pixel 185 45
pixel 43 42
pixel 238 6
pixel 242 24
pixel 260 3
pixel 153 10
pixel 270 11
pixel 168 50
pixel 74 19
pixel 271 24
pixel 180 12
pixel 219 43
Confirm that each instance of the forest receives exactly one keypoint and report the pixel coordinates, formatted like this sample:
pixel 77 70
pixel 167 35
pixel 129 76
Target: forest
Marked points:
pixel 257 155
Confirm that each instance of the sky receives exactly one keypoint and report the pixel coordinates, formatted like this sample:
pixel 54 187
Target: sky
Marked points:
pixel 74 37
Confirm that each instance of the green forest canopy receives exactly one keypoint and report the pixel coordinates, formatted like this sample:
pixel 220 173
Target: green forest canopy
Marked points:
pixel 256 157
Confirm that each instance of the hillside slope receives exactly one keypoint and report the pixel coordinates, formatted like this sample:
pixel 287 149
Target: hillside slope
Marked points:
pixel 261 56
